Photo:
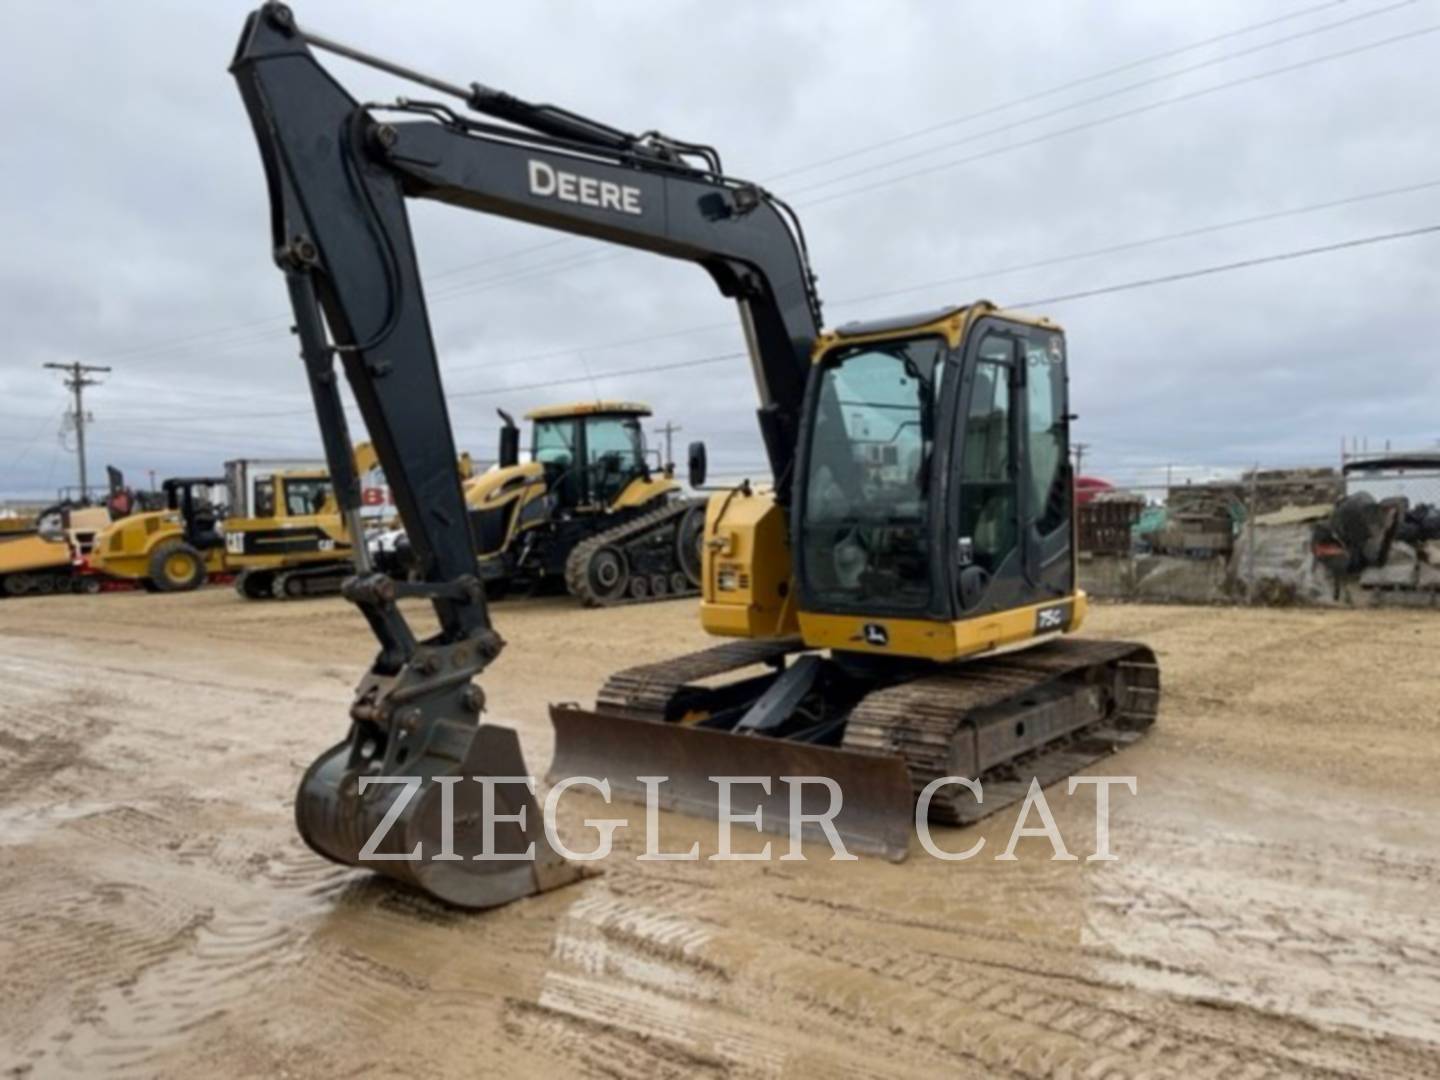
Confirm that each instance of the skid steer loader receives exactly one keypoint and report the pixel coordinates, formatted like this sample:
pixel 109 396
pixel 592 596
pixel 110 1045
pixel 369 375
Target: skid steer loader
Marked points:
pixel 905 587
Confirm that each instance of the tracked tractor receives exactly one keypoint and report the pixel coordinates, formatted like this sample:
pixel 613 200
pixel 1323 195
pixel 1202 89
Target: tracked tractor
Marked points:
pixel 902 592
pixel 285 539
pixel 174 549
pixel 587 512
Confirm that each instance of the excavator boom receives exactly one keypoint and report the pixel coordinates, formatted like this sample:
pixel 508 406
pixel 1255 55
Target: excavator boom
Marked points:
pixel 338 174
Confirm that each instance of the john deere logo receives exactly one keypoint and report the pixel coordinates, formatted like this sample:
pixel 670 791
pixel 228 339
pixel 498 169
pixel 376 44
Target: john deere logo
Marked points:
pixel 1052 618
pixel 872 633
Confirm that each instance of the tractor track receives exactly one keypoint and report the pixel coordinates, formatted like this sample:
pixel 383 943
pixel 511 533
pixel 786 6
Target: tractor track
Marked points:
pixel 578 579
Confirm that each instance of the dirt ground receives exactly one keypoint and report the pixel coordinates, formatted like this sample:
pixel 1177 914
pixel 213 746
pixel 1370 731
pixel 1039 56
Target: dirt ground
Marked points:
pixel 1272 910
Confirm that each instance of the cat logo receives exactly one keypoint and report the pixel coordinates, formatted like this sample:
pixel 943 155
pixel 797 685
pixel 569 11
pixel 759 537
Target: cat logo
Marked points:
pixel 872 633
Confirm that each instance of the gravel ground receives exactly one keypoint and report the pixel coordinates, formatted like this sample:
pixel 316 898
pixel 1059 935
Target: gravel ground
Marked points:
pixel 1271 911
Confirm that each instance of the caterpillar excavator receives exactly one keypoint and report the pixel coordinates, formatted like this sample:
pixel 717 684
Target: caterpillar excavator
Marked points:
pixel 903 590
pixel 585 511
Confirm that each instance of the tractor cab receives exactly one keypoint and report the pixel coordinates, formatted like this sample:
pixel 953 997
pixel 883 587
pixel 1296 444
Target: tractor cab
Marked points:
pixel 591 453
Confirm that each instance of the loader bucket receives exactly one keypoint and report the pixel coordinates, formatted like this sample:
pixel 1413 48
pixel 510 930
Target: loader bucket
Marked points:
pixel 342 823
pixel 877 807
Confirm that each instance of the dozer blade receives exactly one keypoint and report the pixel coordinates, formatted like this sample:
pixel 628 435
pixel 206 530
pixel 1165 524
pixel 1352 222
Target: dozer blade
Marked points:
pixel 349 826
pixel 877 807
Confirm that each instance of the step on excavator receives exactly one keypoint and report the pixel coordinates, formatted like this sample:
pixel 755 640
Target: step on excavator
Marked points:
pixel 903 590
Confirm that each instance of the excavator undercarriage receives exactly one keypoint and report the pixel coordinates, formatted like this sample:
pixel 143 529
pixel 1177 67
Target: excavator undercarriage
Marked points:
pixel 881 733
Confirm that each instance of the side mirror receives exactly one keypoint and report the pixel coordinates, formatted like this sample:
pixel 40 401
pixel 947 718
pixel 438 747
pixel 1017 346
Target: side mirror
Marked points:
pixel 509 442
pixel 697 465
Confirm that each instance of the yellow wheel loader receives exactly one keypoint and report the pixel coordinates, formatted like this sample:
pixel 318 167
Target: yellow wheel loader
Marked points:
pixel 175 549
pixel 586 512
pixel 903 592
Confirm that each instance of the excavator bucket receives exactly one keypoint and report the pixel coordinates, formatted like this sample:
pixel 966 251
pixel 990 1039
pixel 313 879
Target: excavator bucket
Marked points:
pixel 465 853
pixel 873 813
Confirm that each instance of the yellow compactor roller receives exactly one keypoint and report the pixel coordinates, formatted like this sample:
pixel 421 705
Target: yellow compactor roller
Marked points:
pixel 173 549
pixel 903 592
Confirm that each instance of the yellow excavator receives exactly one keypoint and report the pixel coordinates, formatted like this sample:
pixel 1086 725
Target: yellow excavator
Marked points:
pixel 903 592
pixel 587 511
pixel 174 549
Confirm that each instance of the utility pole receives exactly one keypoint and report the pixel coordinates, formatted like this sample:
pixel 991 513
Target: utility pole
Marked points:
pixel 76 383
pixel 669 431
pixel 1079 448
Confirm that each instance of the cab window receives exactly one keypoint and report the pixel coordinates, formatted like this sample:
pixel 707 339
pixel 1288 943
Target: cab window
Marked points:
pixel 264 498
pixel 554 443
pixel 1045 432
pixel 988 511
pixel 305 498
pixel 613 445
pixel 866 535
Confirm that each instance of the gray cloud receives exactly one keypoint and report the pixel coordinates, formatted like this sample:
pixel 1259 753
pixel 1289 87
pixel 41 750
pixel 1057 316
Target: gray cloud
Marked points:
pixel 135 217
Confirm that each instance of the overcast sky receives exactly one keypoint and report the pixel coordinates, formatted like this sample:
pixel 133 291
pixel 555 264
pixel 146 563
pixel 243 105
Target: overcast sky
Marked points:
pixel 917 141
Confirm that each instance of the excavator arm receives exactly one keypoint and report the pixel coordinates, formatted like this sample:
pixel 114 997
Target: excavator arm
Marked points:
pixel 339 173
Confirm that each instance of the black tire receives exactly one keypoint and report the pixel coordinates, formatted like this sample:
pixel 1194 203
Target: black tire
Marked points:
pixel 608 573
pixel 689 544
pixel 290 587
pixel 639 587
pixel 253 584
pixel 175 566
pixel 659 585
pixel 87 585
pixel 679 582
pixel 44 585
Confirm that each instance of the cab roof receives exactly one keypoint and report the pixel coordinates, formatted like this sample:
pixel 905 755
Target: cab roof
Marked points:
pixel 946 320
pixel 589 408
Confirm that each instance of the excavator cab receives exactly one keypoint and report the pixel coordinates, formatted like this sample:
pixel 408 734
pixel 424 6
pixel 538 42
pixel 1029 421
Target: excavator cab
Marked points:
pixel 934 476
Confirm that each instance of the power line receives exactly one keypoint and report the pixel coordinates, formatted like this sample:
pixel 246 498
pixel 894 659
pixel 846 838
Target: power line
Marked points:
pixel 986 274
pixel 1153 80
pixel 1183 275
pixel 1261 260
pixel 991 110
pixel 1124 115
pixel 587 259
pixel 1128 245
pixel 278 321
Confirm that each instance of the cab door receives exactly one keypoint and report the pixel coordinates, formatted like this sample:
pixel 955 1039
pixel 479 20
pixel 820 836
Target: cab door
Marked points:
pixel 1047 478
pixel 985 510
pixel 1010 507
